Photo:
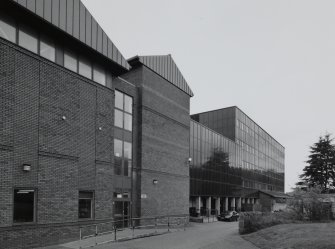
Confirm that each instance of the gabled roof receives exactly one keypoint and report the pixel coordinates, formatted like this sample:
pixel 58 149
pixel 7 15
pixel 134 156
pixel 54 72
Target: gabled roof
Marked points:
pixel 275 194
pixel 72 17
pixel 165 66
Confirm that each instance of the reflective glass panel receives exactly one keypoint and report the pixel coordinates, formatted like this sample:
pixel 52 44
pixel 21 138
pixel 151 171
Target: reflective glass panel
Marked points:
pixel 99 75
pixel 85 205
pixel 128 104
pixel 28 40
pixel 70 61
pixel 7 30
pixel 85 68
pixel 47 50
pixel 128 122
pixel 117 148
pixel 127 150
pixel 118 119
pixel 118 100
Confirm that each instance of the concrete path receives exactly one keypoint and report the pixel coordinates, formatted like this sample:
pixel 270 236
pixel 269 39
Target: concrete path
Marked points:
pixel 217 235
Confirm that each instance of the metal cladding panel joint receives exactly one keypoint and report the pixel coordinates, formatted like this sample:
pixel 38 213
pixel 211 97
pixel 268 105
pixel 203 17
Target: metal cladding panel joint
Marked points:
pixel 72 17
pixel 165 66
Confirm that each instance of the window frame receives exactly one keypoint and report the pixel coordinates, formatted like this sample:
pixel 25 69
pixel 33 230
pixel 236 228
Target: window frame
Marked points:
pixel 34 205
pixel 92 204
pixel 29 32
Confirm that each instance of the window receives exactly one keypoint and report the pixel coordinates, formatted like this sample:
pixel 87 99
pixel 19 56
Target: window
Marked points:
pixel 128 122
pixel 85 209
pixel 47 49
pixel 118 119
pixel 28 39
pixel 118 100
pixel 7 30
pixel 85 68
pixel 123 111
pixel 24 205
pixel 99 75
pixel 123 156
pixel 70 61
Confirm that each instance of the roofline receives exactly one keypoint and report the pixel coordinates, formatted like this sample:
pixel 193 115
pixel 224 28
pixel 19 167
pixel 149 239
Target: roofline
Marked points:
pixel 234 106
pixel 136 59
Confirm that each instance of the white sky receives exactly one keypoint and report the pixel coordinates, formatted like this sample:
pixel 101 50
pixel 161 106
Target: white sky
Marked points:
pixel 274 59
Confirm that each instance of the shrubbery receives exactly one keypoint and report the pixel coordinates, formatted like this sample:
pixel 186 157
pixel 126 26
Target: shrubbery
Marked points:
pixel 254 221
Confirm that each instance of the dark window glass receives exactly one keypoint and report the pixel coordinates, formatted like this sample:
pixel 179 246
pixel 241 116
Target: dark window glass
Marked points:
pixel 127 168
pixel 28 39
pixel 118 100
pixel 85 68
pixel 128 104
pixel 118 118
pixel 128 122
pixel 85 210
pixel 47 49
pixel 117 165
pixel 99 75
pixel 70 61
pixel 24 205
pixel 118 148
pixel 7 30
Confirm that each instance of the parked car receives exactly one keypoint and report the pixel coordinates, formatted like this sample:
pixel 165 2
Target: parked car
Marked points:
pixel 229 216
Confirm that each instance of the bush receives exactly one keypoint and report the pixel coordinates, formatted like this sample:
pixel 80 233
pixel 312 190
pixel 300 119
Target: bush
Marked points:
pixel 253 221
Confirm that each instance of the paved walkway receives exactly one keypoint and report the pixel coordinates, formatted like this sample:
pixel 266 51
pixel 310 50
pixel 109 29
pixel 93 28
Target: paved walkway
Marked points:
pixel 217 235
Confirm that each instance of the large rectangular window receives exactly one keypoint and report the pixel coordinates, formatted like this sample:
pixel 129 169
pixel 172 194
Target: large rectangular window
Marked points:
pixel 24 205
pixel 85 209
pixel 123 111
pixel 70 61
pixel 7 29
pixel 85 68
pixel 28 39
pixel 47 49
pixel 99 75
pixel 122 157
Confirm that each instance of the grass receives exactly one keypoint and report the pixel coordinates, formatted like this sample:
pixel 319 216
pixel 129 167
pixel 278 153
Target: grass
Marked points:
pixel 295 236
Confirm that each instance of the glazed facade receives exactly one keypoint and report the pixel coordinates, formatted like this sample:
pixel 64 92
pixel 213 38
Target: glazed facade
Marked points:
pixel 232 158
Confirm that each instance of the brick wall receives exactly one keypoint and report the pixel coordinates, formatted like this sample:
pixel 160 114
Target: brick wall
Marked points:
pixel 66 155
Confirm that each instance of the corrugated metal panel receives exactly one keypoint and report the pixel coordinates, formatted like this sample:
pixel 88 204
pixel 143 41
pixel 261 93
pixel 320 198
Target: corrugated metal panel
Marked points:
pixel 94 33
pixel 55 12
pixel 88 28
pixel 167 68
pixel 72 17
pixel 76 18
pixel 31 5
pixel 40 8
pixel 23 2
pixel 82 17
pixel 69 17
pixel 62 15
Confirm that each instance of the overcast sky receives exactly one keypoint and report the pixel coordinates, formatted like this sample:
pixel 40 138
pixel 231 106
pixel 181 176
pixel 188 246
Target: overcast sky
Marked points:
pixel 273 59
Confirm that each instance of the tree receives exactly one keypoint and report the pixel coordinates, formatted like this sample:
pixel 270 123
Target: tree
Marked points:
pixel 320 170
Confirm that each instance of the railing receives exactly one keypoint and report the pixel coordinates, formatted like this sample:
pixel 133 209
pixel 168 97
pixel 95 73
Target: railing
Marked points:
pixel 101 233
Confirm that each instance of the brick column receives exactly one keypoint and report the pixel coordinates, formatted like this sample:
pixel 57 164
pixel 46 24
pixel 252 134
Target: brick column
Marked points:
pixel 238 203
pixel 208 204
pixel 198 204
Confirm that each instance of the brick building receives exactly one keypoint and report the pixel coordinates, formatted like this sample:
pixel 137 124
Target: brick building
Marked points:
pixel 85 135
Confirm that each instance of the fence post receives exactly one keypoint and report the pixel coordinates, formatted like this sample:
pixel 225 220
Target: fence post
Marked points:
pixel 79 238
pixel 155 224
pixel 168 223
pixel 133 227
pixel 185 223
pixel 96 234
pixel 114 232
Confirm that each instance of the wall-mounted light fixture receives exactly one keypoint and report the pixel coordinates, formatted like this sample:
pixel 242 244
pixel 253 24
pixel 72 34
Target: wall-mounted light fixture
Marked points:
pixel 155 181
pixel 100 128
pixel 26 167
pixel 63 118
pixel 189 160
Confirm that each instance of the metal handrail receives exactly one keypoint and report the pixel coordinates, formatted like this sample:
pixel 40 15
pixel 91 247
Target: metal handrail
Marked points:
pixel 130 222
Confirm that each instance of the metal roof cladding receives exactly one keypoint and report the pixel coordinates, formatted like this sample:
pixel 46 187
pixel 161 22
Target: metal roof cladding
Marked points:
pixel 72 17
pixel 165 66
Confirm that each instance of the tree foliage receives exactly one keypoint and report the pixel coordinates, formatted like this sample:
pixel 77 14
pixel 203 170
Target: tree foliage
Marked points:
pixel 320 170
